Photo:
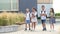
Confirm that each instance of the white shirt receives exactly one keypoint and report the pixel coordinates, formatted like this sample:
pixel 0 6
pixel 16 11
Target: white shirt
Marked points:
pixel 43 17
pixel 34 19
pixel 34 13
pixel 27 16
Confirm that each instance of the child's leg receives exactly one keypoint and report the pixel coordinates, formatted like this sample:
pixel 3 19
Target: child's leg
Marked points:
pixel 34 25
pixel 29 26
pixel 44 25
pixel 25 26
pixel 53 26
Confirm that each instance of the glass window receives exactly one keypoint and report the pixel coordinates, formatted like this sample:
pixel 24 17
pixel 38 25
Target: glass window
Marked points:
pixel 15 4
pixel 5 5
pixel 9 5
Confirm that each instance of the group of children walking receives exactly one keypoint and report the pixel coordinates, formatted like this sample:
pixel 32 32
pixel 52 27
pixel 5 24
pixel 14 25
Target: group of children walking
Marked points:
pixel 31 18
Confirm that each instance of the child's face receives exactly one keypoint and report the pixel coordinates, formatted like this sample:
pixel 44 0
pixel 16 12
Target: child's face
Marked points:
pixel 50 10
pixel 33 10
pixel 27 10
pixel 43 8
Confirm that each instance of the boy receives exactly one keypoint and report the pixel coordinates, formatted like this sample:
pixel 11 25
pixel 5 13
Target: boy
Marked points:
pixel 27 19
pixel 43 17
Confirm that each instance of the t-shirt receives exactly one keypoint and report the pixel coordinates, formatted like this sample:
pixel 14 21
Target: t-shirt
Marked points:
pixel 52 14
pixel 28 16
pixel 35 13
pixel 34 18
pixel 43 17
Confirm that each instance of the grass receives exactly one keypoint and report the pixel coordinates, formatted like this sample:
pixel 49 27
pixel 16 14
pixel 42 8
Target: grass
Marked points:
pixel 11 18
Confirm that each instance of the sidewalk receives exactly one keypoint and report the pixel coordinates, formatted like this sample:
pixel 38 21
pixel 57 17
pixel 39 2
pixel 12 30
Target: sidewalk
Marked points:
pixel 57 19
pixel 37 31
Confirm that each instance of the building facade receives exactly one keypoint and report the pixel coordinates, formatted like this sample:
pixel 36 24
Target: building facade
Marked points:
pixel 47 3
pixel 21 5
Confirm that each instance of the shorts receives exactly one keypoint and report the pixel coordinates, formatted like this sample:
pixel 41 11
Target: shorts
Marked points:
pixel 43 21
pixel 27 21
pixel 52 20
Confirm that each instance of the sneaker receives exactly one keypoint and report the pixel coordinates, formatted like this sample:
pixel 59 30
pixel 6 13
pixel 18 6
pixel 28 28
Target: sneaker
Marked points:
pixel 44 29
pixel 25 29
pixel 30 29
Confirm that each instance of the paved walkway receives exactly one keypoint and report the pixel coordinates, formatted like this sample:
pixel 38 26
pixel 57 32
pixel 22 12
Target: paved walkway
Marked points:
pixel 37 31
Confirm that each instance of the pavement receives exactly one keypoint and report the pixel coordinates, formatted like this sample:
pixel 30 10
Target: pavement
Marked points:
pixel 38 30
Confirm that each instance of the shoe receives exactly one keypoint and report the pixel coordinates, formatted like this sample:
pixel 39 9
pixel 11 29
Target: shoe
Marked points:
pixel 30 29
pixel 25 29
pixel 44 29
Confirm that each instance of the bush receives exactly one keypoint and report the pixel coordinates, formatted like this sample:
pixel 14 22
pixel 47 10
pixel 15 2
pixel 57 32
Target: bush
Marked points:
pixel 57 14
pixel 11 18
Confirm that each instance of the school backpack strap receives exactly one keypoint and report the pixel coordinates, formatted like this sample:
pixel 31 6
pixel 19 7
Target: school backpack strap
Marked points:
pixel 44 12
pixel 41 12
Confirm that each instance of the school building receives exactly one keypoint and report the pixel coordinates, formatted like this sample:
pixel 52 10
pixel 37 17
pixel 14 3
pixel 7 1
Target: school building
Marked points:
pixel 48 4
pixel 21 5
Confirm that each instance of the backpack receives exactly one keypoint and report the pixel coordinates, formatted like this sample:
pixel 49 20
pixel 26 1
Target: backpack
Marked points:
pixel 29 16
pixel 44 12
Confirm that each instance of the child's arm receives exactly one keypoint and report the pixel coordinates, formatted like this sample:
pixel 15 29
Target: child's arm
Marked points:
pixel 43 14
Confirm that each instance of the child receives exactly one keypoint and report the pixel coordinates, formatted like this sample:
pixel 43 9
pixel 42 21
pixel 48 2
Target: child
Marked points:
pixel 27 19
pixel 34 18
pixel 52 18
pixel 43 17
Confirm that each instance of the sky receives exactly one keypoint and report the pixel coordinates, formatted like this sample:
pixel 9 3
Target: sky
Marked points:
pixel 56 6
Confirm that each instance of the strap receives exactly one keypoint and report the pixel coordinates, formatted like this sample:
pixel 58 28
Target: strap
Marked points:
pixel 44 11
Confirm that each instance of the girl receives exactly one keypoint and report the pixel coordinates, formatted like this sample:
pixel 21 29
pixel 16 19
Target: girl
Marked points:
pixel 52 18
pixel 34 18
pixel 27 19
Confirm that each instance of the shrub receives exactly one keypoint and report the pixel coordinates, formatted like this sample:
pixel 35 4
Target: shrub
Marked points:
pixel 11 18
pixel 57 14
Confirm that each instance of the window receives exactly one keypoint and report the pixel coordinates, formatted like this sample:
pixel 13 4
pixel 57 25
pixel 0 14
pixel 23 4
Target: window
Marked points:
pixel 5 5
pixel 15 5
pixel 8 5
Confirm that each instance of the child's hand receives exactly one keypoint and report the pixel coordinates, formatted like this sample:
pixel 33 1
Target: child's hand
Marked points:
pixel 43 14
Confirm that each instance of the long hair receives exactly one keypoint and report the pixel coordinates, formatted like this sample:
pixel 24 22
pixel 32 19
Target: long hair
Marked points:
pixel 52 10
pixel 34 9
